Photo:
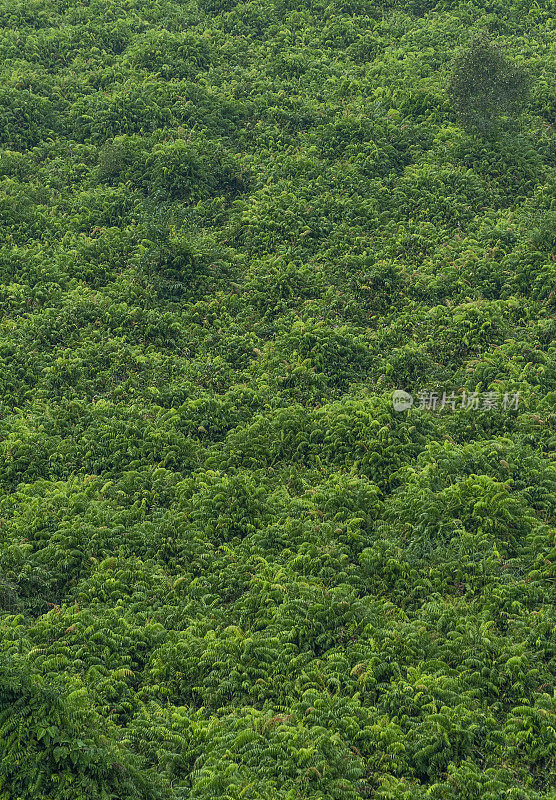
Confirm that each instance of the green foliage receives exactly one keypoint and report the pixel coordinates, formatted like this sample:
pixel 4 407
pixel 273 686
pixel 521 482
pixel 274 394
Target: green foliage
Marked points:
pixel 485 86
pixel 53 745
pixel 229 568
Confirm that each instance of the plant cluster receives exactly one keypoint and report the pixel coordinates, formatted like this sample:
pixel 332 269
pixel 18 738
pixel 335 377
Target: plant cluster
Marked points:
pixel 229 569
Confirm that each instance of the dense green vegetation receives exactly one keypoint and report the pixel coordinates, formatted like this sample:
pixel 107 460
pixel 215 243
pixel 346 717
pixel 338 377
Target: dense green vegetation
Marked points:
pixel 228 567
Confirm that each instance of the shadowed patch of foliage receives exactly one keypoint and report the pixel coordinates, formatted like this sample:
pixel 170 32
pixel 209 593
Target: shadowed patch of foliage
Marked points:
pixel 485 87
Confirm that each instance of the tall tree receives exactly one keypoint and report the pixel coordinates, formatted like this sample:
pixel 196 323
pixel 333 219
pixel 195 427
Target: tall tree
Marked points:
pixel 485 88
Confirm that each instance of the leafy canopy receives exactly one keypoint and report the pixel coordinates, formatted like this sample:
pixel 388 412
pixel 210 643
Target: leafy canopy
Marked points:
pixel 485 87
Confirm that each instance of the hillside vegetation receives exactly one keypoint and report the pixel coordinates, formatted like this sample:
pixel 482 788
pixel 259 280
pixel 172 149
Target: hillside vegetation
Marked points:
pixel 229 568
